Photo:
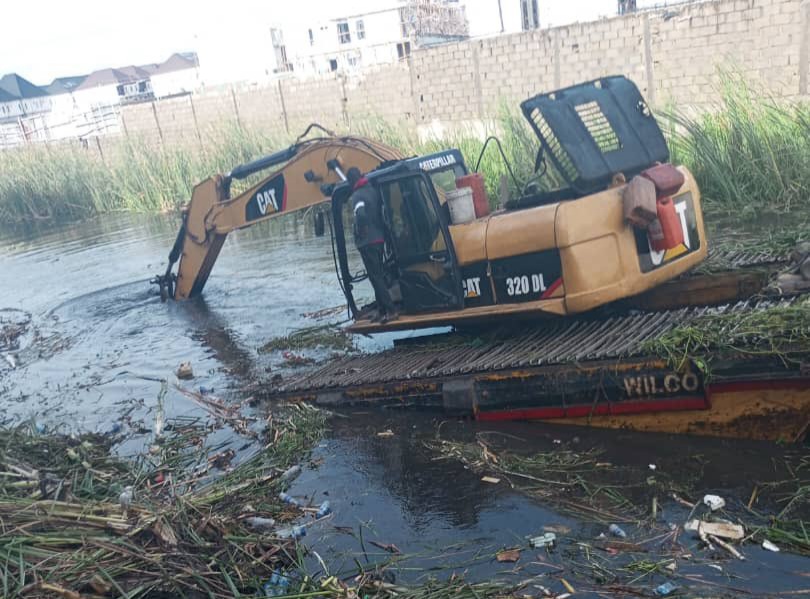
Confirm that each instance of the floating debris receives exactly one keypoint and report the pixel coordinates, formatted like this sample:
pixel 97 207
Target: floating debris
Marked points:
pixel 184 371
pixel 714 502
pixel 724 530
pixel 508 555
pixel 546 540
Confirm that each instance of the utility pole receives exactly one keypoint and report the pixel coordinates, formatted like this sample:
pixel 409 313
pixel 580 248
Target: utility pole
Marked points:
pixel 500 14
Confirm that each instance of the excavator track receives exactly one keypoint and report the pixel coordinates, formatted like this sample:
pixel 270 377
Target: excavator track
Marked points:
pixel 593 369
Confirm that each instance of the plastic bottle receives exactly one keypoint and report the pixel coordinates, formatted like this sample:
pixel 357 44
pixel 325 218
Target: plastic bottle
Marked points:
pixel 260 523
pixel 324 510
pixel 277 585
pixel 616 531
pixel 289 499
pixel 665 589
pixel 294 532
pixel 291 472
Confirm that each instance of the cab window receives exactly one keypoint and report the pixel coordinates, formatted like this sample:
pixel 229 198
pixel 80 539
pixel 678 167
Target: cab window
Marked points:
pixel 412 219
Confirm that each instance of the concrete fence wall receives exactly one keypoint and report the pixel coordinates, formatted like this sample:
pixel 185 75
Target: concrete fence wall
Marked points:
pixel 672 54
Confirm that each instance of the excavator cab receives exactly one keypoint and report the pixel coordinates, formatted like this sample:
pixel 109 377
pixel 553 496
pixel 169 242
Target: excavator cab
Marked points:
pixel 421 263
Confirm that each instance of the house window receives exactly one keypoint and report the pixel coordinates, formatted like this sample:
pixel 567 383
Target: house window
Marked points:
pixel 344 37
pixel 353 60
pixel 404 49
pixel 360 28
pixel 311 38
pixel 333 64
pixel 529 15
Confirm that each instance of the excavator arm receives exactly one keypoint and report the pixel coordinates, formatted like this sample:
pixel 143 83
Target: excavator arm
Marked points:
pixel 305 173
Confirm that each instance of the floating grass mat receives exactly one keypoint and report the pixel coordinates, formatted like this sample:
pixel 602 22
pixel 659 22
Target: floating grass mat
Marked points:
pixel 327 336
pixel 574 482
pixel 77 522
pixel 13 325
pixel 781 331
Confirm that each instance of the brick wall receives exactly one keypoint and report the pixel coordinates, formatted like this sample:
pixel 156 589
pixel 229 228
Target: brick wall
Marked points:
pixel 672 54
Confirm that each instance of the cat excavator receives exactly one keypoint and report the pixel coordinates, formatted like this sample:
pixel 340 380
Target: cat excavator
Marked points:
pixel 549 252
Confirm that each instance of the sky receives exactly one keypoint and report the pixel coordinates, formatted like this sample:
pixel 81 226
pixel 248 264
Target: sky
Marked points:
pixel 51 38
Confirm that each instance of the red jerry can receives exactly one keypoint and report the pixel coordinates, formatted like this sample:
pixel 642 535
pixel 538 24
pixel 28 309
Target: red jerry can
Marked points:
pixel 666 231
pixel 475 181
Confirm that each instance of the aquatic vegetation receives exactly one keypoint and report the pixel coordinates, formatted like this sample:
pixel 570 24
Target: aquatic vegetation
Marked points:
pixel 79 520
pixel 748 152
pixel 780 331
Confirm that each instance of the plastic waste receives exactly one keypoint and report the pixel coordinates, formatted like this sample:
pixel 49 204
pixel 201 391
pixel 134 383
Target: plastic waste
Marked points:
pixel 724 530
pixel 324 510
pixel 616 531
pixel 665 589
pixel 206 390
pixel 766 544
pixel 115 429
pixel 546 540
pixel 125 498
pixel 291 472
pixel 39 428
pixel 289 499
pixel 294 532
pixel 260 523
pixel 184 371
pixel 277 585
pixel 715 502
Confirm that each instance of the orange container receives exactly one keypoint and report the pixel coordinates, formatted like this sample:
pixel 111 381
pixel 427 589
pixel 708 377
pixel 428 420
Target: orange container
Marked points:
pixel 475 181
pixel 666 232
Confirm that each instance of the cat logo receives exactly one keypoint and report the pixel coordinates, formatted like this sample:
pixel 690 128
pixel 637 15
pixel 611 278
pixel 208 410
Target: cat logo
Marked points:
pixel 472 287
pixel 270 198
pixel 265 199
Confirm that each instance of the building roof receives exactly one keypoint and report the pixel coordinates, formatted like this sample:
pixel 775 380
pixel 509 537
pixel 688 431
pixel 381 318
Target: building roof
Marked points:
pixel 64 85
pixel 179 61
pixel 104 77
pixel 7 97
pixel 20 87
pixel 134 73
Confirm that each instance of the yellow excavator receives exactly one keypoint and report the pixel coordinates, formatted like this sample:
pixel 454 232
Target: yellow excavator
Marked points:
pixel 547 253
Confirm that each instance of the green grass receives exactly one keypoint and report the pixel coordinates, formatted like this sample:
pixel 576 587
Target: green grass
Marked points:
pixel 750 153
pixel 69 182
pixel 781 332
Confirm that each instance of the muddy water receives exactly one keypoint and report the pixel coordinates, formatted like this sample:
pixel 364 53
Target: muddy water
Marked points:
pixel 100 341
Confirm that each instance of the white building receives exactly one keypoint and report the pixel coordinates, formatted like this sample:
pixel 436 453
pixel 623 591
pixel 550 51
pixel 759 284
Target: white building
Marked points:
pixel 23 110
pixel 179 75
pixel 384 34
pixel 109 87
pixel 66 118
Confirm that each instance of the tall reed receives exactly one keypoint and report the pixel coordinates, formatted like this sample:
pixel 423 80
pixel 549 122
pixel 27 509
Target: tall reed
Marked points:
pixel 750 153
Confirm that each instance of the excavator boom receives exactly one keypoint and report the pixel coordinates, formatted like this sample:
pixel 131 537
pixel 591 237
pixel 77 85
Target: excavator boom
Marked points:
pixel 304 176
